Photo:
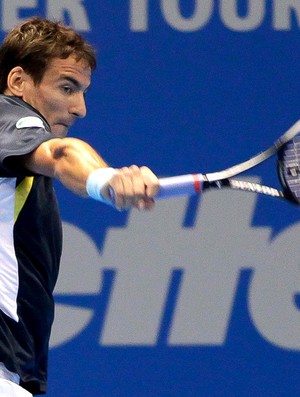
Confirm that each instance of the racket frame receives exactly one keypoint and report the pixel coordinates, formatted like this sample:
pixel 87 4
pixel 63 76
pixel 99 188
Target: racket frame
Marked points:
pixel 195 183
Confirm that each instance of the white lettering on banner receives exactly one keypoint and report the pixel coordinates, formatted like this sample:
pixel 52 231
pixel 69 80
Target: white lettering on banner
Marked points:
pixel 211 254
pixel 74 9
pixel 139 13
pixel 283 10
pixel 202 13
pixel 273 289
pixel 254 18
pixel 10 11
pixel 80 274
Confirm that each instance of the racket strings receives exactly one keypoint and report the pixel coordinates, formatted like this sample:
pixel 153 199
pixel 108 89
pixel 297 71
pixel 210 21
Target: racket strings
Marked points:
pixel 289 168
pixel 293 165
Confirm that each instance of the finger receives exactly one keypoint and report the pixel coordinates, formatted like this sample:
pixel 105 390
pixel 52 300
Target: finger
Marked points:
pixel 116 184
pixel 128 186
pixel 138 183
pixel 123 186
pixel 150 181
pixel 134 186
pixel 145 204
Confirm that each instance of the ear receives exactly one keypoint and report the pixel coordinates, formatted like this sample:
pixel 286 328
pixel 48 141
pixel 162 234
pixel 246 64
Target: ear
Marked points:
pixel 15 81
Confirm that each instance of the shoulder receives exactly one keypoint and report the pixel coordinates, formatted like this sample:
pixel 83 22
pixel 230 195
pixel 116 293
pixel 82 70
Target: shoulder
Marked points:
pixel 15 111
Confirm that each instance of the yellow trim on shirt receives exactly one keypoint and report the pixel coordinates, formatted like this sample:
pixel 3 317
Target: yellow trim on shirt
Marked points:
pixel 22 192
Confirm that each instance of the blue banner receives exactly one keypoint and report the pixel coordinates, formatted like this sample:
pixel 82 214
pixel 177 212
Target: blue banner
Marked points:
pixel 201 296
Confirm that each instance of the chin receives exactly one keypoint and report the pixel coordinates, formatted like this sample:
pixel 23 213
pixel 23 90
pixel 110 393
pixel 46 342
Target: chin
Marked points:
pixel 60 130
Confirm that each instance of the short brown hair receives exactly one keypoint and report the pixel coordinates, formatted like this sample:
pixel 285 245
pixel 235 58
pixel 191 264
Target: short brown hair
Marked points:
pixel 37 41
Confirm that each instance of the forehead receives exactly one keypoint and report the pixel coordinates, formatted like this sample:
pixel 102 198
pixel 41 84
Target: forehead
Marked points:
pixel 70 67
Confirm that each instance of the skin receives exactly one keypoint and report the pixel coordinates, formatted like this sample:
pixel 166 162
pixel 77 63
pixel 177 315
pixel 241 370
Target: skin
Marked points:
pixel 59 97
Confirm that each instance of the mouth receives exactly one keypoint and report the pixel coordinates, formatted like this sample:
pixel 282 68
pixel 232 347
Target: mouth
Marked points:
pixel 61 128
pixel 66 125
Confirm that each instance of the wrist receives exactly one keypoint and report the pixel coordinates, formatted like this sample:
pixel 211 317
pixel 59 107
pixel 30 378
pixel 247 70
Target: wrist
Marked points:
pixel 97 184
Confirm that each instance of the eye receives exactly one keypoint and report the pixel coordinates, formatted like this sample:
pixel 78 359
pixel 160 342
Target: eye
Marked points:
pixel 67 89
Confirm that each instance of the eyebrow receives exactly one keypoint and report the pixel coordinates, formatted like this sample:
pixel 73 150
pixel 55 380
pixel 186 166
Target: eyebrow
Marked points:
pixel 73 81
pixel 70 79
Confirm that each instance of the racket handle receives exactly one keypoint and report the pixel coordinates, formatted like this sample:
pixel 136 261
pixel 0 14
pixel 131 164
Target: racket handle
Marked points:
pixel 180 185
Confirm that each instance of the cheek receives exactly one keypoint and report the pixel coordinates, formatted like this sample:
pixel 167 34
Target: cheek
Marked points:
pixel 50 105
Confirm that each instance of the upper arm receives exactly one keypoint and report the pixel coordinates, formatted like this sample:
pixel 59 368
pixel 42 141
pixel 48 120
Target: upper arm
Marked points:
pixel 70 160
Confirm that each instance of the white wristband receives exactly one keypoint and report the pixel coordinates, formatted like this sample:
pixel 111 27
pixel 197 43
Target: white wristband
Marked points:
pixel 96 181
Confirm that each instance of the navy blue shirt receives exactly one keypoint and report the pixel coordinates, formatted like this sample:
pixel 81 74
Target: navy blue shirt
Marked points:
pixel 30 246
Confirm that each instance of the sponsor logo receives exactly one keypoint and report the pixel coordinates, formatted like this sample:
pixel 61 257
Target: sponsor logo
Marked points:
pixel 198 14
pixel 181 16
pixel 192 273
pixel 29 122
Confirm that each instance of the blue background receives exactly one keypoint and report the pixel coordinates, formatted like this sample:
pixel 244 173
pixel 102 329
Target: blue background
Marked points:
pixel 181 102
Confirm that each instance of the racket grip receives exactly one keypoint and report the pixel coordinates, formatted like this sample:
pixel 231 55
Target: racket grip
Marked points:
pixel 185 185
pixel 181 185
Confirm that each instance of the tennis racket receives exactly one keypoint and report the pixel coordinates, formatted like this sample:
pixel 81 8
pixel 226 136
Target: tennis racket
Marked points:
pixel 287 147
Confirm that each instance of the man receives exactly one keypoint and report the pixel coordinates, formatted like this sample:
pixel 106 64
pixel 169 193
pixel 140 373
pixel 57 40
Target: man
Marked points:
pixel 45 71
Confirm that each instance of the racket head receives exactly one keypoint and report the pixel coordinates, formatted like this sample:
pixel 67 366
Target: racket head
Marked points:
pixel 289 169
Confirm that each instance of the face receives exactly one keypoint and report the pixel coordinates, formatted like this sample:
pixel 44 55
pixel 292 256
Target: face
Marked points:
pixel 59 97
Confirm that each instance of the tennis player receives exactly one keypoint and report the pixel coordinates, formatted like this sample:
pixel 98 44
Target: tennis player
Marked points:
pixel 45 71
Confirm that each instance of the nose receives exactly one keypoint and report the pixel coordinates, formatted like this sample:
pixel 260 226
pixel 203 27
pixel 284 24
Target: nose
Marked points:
pixel 78 107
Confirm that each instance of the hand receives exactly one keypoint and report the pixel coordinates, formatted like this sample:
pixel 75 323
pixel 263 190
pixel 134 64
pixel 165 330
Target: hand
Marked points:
pixel 134 187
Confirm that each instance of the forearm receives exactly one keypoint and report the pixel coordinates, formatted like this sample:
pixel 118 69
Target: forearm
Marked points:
pixel 75 164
